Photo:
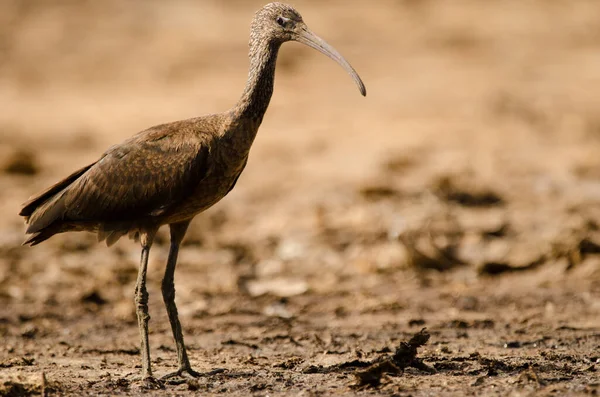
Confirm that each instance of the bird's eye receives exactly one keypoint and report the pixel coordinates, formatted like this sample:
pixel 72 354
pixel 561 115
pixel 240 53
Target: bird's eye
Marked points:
pixel 282 21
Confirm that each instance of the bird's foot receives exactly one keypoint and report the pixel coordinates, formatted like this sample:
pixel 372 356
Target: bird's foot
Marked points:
pixel 187 373
pixel 151 383
pixel 182 373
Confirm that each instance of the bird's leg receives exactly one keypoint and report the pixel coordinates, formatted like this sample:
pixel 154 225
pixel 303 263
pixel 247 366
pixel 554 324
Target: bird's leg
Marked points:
pixel 141 309
pixel 168 290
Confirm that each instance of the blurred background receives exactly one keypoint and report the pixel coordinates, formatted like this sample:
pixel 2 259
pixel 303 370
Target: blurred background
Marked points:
pixel 468 176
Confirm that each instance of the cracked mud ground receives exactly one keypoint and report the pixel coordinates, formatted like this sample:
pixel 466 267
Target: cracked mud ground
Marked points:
pixel 461 196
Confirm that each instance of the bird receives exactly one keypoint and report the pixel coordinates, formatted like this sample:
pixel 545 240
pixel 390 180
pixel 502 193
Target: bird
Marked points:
pixel 169 173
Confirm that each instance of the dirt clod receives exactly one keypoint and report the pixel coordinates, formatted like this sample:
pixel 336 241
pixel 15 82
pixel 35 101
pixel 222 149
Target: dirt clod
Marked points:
pixel 21 162
pixel 404 356
pixel 93 297
pixel 466 194
pixel 424 253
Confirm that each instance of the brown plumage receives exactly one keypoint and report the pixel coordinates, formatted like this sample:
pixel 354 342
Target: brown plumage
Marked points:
pixel 169 173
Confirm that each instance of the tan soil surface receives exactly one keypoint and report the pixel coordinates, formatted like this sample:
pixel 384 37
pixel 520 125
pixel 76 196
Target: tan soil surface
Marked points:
pixel 462 195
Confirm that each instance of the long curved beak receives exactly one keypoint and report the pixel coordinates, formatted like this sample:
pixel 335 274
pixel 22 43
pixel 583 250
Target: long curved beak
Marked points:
pixel 305 36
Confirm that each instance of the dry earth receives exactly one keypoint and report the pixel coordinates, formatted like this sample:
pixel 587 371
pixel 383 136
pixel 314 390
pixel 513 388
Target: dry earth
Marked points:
pixel 461 195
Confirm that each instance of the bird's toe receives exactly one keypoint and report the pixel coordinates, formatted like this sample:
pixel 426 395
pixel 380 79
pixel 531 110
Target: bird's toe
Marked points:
pixel 187 373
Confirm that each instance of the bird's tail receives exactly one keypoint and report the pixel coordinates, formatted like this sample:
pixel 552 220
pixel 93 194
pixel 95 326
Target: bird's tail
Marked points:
pixel 38 237
pixel 43 211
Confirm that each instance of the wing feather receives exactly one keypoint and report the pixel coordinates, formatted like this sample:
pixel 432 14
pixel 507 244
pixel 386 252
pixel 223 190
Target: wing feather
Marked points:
pixel 143 177
pixel 135 180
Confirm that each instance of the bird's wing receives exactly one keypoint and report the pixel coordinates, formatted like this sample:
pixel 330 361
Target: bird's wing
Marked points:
pixel 136 179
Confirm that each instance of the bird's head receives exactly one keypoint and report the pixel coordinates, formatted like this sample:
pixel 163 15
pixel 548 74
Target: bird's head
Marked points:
pixel 280 22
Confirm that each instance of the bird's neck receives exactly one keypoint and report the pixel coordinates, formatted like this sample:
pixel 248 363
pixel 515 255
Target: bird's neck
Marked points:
pixel 259 88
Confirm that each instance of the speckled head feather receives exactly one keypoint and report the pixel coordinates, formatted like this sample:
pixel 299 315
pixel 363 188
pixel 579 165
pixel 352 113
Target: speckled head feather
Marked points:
pixel 277 22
